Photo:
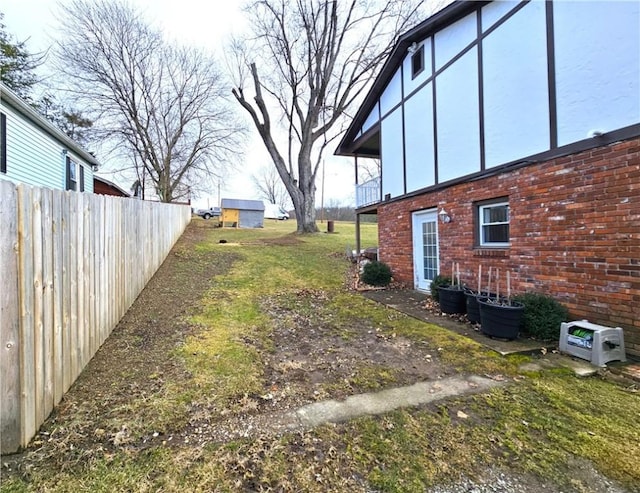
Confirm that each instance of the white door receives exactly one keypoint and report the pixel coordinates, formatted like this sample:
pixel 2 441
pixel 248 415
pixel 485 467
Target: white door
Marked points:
pixel 425 248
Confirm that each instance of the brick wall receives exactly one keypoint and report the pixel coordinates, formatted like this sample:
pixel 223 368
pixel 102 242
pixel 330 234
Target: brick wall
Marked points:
pixel 574 230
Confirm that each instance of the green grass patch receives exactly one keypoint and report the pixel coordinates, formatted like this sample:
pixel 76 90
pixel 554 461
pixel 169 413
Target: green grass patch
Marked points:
pixel 540 423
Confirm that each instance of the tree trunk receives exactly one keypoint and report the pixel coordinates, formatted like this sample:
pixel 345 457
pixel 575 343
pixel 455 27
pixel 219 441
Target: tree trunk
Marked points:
pixel 305 209
pixel 305 191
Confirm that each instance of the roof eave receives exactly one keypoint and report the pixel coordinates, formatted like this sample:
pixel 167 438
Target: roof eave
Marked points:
pixel 111 184
pixel 22 107
pixel 437 21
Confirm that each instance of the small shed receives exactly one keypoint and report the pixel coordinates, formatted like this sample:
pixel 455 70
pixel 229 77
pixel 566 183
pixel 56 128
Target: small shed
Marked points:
pixel 240 213
pixel 103 186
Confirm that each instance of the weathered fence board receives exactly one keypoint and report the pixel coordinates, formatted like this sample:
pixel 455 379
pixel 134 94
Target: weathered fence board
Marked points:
pixel 10 342
pixel 71 264
pixel 27 321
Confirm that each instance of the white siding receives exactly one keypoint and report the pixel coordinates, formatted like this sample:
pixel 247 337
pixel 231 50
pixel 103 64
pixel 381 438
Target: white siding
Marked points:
pixel 35 158
pixel 32 158
pixel 392 94
pixel 410 84
pixel 420 160
pixel 458 118
pixel 454 38
pixel 597 67
pixel 516 97
pixel 392 155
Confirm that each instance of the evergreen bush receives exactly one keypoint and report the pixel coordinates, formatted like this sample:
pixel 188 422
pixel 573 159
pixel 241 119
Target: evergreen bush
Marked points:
pixel 376 273
pixel 436 283
pixel 542 315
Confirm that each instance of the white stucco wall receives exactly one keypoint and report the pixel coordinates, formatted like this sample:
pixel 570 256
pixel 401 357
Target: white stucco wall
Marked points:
pixel 371 120
pixel 392 155
pixel 458 122
pixel 419 143
pixel 598 66
pixel 452 39
pixel 494 11
pixel 516 95
pixel 392 95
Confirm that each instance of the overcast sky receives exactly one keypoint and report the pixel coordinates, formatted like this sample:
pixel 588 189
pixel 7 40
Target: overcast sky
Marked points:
pixel 206 24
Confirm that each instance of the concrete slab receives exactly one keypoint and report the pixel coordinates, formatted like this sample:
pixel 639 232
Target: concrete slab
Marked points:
pixel 580 368
pixel 333 411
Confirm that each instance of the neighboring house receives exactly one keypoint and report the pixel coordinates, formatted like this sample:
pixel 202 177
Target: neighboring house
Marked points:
pixel 34 151
pixel 509 136
pixel 242 213
pixel 103 186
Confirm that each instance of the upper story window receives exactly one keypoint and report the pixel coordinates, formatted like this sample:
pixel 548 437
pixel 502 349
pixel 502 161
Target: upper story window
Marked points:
pixel 3 143
pixel 75 176
pixel 417 61
pixel 493 224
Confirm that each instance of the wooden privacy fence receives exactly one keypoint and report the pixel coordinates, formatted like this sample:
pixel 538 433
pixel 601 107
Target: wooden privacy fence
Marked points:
pixel 71 264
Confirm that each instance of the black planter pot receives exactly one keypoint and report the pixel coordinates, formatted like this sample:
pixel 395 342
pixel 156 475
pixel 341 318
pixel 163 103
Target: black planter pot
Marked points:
pixel 473 309
pixel 452 300
pixel 500 320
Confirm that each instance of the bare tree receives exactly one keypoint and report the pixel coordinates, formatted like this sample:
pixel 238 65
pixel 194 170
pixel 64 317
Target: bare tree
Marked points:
pixel 270 186
pixel 164 105
pixel 369 169
pixel 316 57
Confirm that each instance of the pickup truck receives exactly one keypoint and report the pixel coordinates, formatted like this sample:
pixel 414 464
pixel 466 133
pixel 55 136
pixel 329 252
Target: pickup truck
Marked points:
pixel 211 212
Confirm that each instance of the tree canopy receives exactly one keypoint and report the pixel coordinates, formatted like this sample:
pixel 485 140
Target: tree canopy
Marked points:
pixel 162 105
pixel 17 65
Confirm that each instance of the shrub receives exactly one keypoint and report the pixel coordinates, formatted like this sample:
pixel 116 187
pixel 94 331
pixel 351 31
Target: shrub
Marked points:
pixel 542 315
pixel 436 283
pixel 376 273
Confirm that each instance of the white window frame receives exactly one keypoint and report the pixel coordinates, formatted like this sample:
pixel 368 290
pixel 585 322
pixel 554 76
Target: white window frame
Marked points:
pixel 73 175
pixel 481 224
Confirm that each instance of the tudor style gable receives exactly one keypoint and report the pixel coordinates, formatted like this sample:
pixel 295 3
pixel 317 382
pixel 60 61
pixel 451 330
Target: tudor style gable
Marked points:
pixel 482 86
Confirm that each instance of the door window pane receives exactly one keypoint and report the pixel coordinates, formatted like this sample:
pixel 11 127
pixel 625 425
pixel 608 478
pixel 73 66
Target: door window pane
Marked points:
pixel 429 248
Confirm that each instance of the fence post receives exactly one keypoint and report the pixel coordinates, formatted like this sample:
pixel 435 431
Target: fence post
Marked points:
pixel 9 329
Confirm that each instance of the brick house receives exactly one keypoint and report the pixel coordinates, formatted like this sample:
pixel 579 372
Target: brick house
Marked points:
pixel 508 135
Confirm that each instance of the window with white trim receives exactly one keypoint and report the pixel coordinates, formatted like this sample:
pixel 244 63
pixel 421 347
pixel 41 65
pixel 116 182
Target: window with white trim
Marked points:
pixel 75 176
pixel 493 224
